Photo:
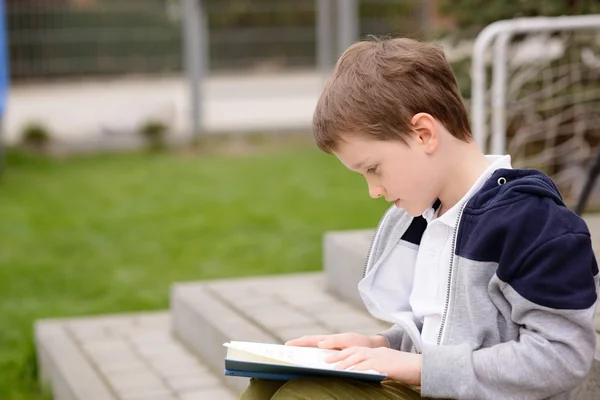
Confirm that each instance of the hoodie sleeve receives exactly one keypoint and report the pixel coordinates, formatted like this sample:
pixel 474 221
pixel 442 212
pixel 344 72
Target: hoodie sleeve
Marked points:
pixel 397 338
pixel 550 283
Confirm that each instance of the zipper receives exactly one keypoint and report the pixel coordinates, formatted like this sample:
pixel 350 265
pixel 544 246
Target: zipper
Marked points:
pixel 373 240
pixel 446 306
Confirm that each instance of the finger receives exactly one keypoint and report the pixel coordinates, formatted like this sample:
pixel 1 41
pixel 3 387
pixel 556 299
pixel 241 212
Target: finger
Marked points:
pixel 340 355
pixel 338 341
pixel 351 361
pixel 306 341
pixel 344 354
pixel 361 366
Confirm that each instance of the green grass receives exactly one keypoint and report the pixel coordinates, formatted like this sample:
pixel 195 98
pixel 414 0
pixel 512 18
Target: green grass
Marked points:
pixel 109 234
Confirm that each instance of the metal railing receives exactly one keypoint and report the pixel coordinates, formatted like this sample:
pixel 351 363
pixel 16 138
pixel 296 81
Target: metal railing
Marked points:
pixel 72 38
pixel 79 38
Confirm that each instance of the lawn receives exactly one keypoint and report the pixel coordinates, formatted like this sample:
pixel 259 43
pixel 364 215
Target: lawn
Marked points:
pixel 110 233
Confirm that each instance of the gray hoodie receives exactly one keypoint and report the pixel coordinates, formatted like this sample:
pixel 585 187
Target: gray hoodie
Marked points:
pixel 521 293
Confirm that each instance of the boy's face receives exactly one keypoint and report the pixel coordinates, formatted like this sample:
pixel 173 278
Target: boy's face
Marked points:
pixel 404 174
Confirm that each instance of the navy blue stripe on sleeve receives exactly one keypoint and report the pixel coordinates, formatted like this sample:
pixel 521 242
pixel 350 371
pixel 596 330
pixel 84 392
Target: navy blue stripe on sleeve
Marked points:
pixel 542 249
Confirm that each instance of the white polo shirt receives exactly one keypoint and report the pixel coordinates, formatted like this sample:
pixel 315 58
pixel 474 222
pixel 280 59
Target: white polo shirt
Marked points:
pixel 432 268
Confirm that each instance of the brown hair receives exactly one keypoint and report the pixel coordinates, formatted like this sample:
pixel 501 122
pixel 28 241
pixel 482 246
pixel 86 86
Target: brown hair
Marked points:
pixel 378 85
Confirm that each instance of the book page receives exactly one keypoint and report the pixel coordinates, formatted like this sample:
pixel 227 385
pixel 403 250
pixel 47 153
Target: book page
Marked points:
pixel 301 356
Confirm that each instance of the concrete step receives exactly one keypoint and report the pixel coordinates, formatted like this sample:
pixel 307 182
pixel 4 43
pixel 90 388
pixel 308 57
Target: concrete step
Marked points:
pixel 122 357
pixel 344 256
pixel 269 309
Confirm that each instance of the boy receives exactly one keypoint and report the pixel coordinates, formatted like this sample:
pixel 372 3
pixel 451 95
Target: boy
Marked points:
pixel 489 279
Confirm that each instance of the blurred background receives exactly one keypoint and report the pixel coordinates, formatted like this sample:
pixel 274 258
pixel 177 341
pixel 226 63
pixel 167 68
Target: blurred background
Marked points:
pixel 147 142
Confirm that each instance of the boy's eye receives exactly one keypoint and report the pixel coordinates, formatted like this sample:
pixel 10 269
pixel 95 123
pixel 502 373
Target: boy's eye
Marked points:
pixel 372 170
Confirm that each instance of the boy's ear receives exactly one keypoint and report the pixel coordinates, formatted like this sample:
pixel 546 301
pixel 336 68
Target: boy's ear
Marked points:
pixel 425 131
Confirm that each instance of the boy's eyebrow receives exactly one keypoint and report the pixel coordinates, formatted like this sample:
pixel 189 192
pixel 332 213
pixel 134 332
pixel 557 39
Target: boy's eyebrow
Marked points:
pixel 359 165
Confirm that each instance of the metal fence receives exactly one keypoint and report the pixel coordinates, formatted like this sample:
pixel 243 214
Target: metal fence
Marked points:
pixel 73 38
pixel 79 38
pixel 543 103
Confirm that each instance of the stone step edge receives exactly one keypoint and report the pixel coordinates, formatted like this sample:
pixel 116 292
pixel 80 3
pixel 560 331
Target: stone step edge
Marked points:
pixel 204 318
pixel 63 368
pixel 203 322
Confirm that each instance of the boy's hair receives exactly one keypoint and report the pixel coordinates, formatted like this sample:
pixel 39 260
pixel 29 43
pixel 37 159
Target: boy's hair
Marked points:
pixel 378 85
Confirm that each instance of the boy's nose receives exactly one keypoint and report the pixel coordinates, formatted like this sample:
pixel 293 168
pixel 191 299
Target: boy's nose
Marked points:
pixel 376 191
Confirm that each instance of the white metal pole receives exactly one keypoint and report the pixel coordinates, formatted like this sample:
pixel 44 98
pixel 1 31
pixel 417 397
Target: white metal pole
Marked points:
pixel 324 36
pixel 348 21
pixel 499 93
pixel 194 47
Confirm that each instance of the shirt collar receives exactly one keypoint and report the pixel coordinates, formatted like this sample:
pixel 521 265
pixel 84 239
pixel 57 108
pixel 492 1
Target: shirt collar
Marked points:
pixel 449 217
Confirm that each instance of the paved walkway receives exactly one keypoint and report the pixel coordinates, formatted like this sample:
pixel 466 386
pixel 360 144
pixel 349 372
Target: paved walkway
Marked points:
pixel 112 109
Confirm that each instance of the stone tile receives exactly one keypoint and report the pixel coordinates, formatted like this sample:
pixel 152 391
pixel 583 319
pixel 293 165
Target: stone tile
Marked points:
pixel 113 345
pixel 277 316
pixel 144 394
pixel 64 367
pixel 286 334
pixel 232 292
pixel 164 365
pixel 129 383
pixel 171 347
pixel 89 334
pixel 251 300
pixel 212 394
pixel 123 357
pixel 170 355
pixel 143 375
pixel 190 382
pixel 176 372
pixel 154 397
pixel 119 367
pixel 333 306
pixel 308 298
pixel 122 331
pixel 151 337
pixel 344 320
pixel 109 321
pixel 160 320
pixel 363 330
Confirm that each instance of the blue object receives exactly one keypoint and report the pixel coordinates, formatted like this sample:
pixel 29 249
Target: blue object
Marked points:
pixel 265 370
pixel 3 60
pixel 3 77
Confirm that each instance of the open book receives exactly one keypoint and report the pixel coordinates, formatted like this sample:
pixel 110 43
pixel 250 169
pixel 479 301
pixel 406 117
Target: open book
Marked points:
pixel 279 362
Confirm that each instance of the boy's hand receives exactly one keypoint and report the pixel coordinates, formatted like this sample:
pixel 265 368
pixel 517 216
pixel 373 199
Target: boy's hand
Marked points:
pixel 398 365
pixel 339 341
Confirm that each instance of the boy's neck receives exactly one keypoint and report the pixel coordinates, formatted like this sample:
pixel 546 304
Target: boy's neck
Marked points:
pixel 465 165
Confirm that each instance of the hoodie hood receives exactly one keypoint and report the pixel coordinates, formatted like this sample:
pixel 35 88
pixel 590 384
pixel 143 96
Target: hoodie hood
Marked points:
pixel 507 185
